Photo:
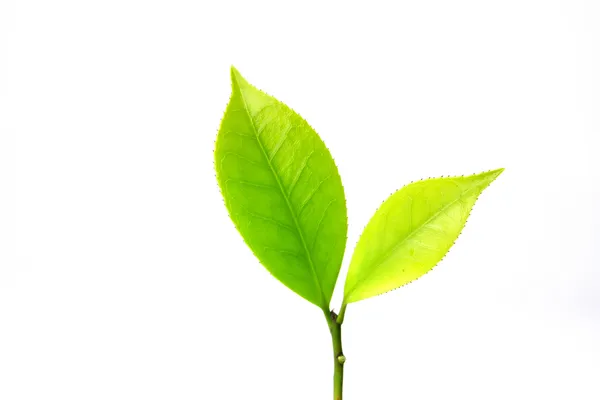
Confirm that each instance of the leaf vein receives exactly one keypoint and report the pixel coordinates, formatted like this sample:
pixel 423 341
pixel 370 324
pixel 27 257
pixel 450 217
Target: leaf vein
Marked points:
pixel 268 219
pixel 299 173
pixel 241 157
pixel 311 195
pixel 253 184
pixel 280 143
pixel 312 247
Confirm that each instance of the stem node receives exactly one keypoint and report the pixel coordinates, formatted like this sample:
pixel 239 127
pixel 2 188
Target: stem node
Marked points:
pixel 339 359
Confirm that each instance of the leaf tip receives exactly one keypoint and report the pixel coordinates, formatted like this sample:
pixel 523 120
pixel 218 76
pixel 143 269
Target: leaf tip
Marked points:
pixel 495 173
pixel 236 77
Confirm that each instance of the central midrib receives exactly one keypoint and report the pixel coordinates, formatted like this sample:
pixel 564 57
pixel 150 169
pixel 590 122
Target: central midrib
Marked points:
pixel 287 201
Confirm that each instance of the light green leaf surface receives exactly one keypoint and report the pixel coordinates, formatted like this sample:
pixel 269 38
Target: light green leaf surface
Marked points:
pixel 283 191
pixel 411 232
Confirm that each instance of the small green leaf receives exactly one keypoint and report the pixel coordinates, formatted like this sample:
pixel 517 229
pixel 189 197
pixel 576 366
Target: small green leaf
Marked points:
pixel 411 232
pixel 283 191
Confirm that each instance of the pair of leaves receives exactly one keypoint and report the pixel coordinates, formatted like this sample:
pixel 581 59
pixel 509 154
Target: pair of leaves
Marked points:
pixel 285 196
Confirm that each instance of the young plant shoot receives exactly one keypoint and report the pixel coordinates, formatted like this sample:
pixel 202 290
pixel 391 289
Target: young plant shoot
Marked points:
pixel 285 196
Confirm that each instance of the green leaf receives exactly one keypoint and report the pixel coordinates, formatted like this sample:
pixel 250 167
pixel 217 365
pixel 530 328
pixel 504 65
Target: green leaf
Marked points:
pixel 283 191
pixel 411 232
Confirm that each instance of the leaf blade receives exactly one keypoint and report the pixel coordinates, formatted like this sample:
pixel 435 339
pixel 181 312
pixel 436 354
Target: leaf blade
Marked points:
pixel 411 232
pixel 282 190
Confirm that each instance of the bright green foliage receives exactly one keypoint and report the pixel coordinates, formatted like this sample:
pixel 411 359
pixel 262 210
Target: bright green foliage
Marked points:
pixel 285 196
pixel 283 191
pixel 411 232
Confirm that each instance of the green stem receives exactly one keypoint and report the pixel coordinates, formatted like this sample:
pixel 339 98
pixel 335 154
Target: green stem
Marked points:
pixel 340 318
pixel 335 329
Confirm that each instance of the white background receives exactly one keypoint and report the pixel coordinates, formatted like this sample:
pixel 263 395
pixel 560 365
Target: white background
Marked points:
pixel 121 276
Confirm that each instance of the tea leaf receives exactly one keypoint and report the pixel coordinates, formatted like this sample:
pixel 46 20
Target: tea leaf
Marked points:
pixel 283 191
pixel 411 232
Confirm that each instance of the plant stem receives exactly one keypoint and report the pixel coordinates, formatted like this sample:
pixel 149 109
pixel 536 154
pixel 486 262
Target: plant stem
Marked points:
pixel 335 329
pixel 340 318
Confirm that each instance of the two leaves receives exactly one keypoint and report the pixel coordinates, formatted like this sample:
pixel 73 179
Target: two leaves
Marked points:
pixel 285 196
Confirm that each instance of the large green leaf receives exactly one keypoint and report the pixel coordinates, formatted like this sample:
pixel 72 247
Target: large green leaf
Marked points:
pixel 283 191
pixel 411 232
